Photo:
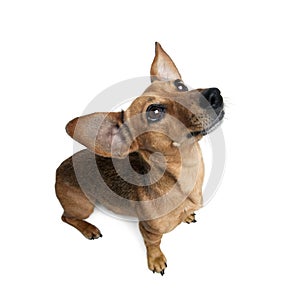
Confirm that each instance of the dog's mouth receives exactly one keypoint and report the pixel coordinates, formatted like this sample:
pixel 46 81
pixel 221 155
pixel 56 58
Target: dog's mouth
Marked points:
pixel 215 124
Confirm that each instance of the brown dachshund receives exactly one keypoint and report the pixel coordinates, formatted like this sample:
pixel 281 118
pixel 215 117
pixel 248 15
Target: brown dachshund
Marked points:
pixel 144 162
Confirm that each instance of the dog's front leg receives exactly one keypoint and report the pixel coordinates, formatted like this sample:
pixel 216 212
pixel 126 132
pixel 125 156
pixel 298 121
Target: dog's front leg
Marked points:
pixel 157 261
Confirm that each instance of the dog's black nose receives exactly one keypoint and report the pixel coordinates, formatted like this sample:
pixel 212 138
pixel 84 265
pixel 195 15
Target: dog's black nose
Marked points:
pixel 212 98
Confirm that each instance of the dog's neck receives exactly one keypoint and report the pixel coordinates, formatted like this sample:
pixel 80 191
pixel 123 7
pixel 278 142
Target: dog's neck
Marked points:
pixel 177 160
pixel 173 175
pixel 174 155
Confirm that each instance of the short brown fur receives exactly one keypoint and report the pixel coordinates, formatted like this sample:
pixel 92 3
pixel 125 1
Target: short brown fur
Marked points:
pixel 77 178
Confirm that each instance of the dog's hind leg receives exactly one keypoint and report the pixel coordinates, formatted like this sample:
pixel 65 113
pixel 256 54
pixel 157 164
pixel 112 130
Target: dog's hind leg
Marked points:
pixel 87 229
pixel 76 205
pixel 190 219
pixel 76 209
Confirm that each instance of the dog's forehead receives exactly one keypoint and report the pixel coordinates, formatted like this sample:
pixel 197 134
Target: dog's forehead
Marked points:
pixel 142 102
pixel 158 92
pixel 160 87
pixel 162 92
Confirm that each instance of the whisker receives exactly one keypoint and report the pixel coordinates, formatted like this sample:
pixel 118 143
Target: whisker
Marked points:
pixel 228 102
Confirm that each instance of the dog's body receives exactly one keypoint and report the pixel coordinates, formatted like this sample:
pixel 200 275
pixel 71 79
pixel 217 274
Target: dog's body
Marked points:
pixel 155 174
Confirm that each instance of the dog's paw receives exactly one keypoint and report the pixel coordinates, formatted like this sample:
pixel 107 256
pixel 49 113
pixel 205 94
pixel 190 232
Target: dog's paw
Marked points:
pixel 190 219
pixel 91 232
pixel 158 264
pixel 157 261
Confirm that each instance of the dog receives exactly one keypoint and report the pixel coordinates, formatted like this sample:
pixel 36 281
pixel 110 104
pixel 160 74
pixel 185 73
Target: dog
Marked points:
pixel 145 161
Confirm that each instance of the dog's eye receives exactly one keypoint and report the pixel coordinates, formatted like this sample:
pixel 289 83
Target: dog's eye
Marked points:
pixel 155 112
pixel 180 85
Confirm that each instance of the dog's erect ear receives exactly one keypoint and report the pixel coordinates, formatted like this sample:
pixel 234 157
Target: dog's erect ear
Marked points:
pixel 103 133
pixel 163 68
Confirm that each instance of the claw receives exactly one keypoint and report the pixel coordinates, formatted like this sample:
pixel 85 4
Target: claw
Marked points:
pixel 153 271
pixel 194 214
pixel 194 221
pixel 166 264
pixel 162 272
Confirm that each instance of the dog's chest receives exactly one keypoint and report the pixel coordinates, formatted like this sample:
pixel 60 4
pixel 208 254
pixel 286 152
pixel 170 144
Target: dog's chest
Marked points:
pixel 191 170
pixel 189 178
pixel 185 196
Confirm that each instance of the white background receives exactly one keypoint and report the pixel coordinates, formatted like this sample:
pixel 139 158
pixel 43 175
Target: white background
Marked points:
pixel 56 56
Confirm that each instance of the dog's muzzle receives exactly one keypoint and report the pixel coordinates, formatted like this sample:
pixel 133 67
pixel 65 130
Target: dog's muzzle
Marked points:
pixel 210 101
pixel 211 98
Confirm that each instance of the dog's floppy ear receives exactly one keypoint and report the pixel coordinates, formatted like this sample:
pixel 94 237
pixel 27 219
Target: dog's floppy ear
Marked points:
pixel 163 68
pixel 103 133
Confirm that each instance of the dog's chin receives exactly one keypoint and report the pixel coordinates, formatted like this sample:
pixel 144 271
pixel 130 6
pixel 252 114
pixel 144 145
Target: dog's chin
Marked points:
pixel 216 123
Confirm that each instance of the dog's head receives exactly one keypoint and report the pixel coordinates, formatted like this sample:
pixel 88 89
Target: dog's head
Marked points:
pixel 164 117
